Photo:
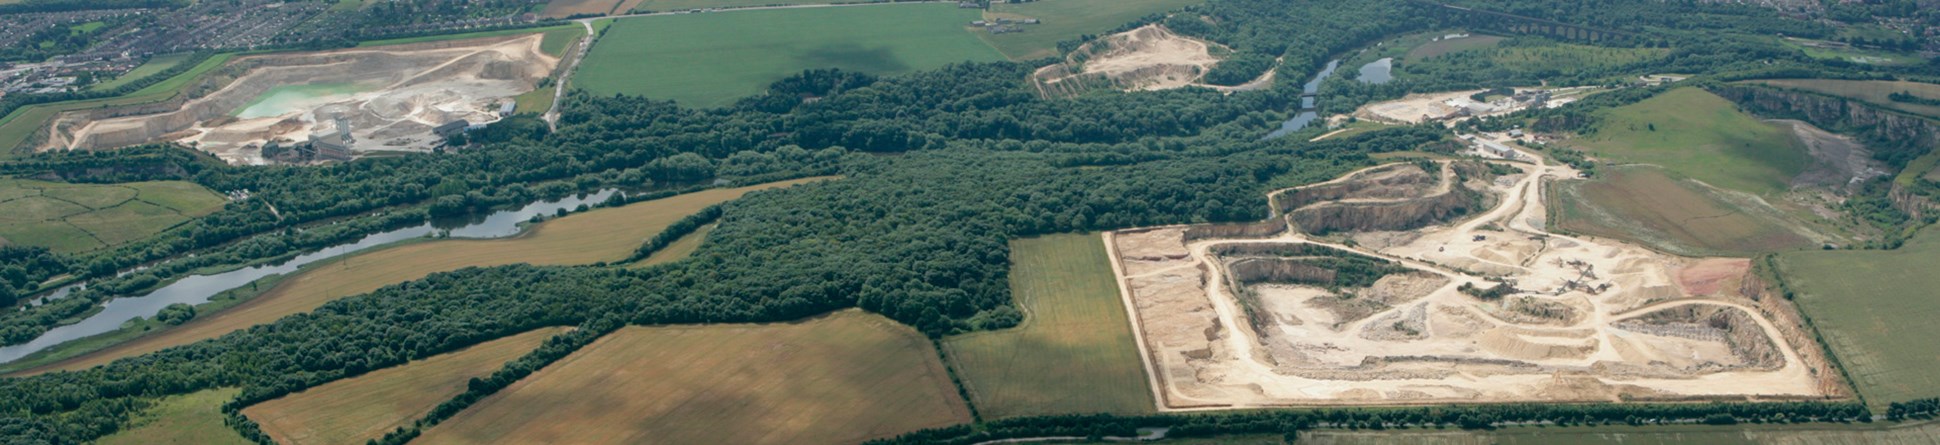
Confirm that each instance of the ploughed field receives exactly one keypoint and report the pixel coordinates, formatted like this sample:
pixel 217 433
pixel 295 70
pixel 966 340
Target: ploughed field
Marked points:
pixel 841 378
pixel 1399 285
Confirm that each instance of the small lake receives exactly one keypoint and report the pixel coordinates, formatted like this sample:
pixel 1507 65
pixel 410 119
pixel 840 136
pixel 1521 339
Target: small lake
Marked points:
pixel 1308 94
pixel 285 99
pixel 1378 72
pixel 198 289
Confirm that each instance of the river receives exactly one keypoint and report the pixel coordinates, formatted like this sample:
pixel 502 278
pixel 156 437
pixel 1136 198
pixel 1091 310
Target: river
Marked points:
pixel 1309 94
pixel 198 289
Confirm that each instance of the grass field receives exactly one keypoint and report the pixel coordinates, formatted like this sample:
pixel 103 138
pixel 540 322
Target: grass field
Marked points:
pixel 1650 206
pixel 1074 353
pixel 1820 49
pixel 472 35
pixel 1876 310
pixel 188 419
pixel 1813 434
pixel 1870 91
pixel 365 407
pixel 1066 20
pixel 80 217
pixel 708 60
pixel 1699 135
pixel 683 5
pixel 607 234
pixel 559 9
pixel 154 65
pixel 17 127
pixel 535 101
pixel 836 379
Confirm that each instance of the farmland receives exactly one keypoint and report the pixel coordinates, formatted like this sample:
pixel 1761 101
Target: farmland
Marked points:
pixel 679 249
pixel 1648 205
pixel 154 65
pixel 1875 308
pixel 708 60
pixel 560 9
pixel 188 419
pixel 367 406
pixel 1074 353
pixel 1699 135
pixel 1871 91
pixel 682 5
pixel 839 378
pixel 79 217
pixel 1450 46
pixel 1066 20
pixel 606 234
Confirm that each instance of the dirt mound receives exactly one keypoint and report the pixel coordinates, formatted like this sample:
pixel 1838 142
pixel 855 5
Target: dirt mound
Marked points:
pixel 389 97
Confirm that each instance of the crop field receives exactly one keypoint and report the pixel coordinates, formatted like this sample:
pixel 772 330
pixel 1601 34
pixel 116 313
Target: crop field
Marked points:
pixel 154 65
pixel 679 249
pixel 1903 434
pixel 1876 310
pixel 1870 91
pixel 80 217
pixel 365 407
pixel 1066 20
pixel 607 234
pixel 559 9
pixel 1074 353
pixel 20 125
pixel 188 419
pixel 1699 135
pixel 1647 205
pixel 836 379
pixel 1450 46
pixel 708 60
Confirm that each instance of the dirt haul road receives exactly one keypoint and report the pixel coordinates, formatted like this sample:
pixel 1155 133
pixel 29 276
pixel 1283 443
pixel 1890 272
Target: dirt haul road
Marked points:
pixel 1587 319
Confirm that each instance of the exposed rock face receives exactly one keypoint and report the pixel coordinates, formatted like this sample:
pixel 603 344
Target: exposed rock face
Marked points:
pixel 1404 215
pixel 1896 138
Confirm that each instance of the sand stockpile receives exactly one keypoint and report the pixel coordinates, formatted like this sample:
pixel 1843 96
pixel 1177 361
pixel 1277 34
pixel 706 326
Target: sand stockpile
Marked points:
pixel 389 98
pixel 1291 319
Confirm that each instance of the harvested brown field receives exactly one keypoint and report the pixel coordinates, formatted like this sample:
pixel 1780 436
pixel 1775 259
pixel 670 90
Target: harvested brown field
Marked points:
pixel 559 9
pixel 608 234
pixel 1478 307
pixel 388 97
pixel 365 407
pixel 837 379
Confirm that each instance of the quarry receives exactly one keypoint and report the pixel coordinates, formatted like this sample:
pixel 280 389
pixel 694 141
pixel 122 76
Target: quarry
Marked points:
pixel 1150 57
pixel 1435 282
pixel 336 104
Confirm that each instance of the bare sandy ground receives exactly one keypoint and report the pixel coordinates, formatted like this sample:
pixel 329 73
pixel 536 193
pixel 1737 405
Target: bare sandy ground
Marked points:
pixel 1592 320
pixel 1148 58
pixel 391 97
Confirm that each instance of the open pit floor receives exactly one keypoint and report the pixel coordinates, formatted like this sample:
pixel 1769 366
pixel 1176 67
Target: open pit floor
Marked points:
pixel 1587 319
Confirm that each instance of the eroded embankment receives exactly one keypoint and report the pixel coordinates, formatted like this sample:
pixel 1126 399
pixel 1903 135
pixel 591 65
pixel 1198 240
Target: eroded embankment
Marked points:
pixel 1148 58
pixel 390 97
pixel 1432 305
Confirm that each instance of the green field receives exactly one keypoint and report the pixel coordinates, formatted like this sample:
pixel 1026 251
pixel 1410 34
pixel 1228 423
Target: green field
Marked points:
pixel 1067 20
pixel 80 217
pixel 535 101
pixel 1440 47
pixel 473 35
pixel 188 419
pixel 1876 310
pixel 1870 91
pixel 154 65
pixel 1649 206
pixel 1855 55
pixel 1696 134
pixel 557 40
pixel 708 60
pixel 17 127
pixel 1075 352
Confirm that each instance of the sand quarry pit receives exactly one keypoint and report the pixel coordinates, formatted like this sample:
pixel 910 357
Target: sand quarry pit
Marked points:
pixel 1148 58
pixel 389 96
pixel 1265 314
